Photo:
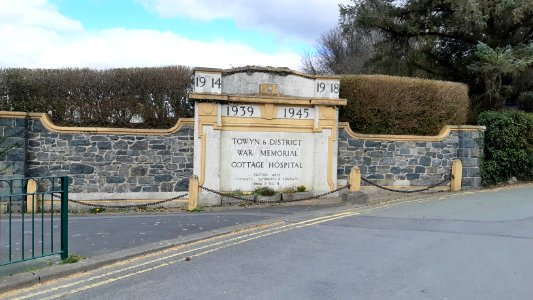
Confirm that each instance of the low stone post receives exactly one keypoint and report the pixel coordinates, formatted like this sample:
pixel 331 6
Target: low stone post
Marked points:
pixel 31 200
pixel 355 180
pixel 193 192
pixel 457 175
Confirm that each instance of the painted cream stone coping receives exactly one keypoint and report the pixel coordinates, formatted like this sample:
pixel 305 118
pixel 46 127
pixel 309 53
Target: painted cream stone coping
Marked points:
pixel 443 134
pixel 264 69
pixel 266 99
pixel 48 124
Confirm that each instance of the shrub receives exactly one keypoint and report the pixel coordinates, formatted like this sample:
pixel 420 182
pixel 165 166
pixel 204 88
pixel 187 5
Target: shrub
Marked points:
pixel 96 210
pixel 301 188
pixel 133 97
pixel 265 191
pixel 72 259
pixel 381 104
pixel 508 146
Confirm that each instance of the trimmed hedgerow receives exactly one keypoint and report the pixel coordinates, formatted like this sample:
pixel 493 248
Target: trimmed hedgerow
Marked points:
pixel 127 97
pixel 508 146
pixel 381 104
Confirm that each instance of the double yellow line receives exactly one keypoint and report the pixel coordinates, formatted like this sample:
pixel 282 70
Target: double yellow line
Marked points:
pixel 154 264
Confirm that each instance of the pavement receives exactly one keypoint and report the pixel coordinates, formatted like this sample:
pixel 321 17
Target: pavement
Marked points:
pixel 108 238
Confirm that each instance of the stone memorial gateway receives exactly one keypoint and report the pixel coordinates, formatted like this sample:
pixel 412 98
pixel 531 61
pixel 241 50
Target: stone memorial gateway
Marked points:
pixel 264 127
pixel 253 127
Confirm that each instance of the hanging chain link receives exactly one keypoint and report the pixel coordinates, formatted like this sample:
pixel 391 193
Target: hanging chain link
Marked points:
pixel 226 194
pixel 445 180
pixel 128 205
pixel 255 200
pixel 326 193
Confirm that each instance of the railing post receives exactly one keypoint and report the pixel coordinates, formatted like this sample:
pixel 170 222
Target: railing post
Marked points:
pixel 64 217
pixel 355 180
pixel 457 175
pixel 31 188
pixel 193 192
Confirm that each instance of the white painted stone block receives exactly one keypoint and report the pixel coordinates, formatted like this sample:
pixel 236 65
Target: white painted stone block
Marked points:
pixel 207 82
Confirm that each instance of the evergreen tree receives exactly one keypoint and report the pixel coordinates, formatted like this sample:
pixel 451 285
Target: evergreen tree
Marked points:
pixel 487 44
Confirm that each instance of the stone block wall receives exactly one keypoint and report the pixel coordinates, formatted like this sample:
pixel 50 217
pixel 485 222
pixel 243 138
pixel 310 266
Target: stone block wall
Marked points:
pixel 112 163
pixel 125 163
pixel 406 161
pixel 13 146
pixel 121 163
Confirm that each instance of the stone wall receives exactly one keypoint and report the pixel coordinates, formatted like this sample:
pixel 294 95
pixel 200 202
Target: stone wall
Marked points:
pixel 12 146
pixel 120 163
pixel 401 160
pixel 131 163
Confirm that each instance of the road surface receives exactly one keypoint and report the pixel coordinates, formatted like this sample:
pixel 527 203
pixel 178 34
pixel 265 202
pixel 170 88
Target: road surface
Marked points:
pixel 464 246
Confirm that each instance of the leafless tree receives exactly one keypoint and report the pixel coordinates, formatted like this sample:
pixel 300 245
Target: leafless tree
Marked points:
pixel 341 52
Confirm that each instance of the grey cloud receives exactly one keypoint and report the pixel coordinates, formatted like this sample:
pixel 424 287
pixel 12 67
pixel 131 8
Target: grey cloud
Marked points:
pixel 305 20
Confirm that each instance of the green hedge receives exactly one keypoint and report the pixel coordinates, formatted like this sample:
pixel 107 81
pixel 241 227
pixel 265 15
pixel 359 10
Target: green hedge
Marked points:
pixel 381 104
pixel 508 146
pixel 158 96
pixel 107 98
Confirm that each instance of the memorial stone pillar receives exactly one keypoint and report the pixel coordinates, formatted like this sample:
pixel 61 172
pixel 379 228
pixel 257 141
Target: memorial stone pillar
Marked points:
pixel 264 127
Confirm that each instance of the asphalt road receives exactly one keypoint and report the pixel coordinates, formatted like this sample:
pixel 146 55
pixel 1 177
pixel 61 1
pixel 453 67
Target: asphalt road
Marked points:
pixel 472 246
pixel 100 234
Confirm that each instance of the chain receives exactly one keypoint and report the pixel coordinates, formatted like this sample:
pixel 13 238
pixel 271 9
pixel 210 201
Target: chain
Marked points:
pixel 324 194
pixel 226 195
pixel 445 180
pixel 128 205
pixel 254 200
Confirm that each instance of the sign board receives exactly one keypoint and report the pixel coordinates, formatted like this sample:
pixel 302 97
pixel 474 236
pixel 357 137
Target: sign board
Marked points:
pixel 279 161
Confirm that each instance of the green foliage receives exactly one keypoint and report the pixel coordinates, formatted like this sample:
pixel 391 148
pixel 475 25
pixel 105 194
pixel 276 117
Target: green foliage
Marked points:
pixel 236 193
pixel 72 259
pixel 96 210
pixel 132 97
pixel 265 191
pixel 486 44
pixel 493 65
pixel 301 188
pixel 508 146
pixel 525 101
pixel 197 209
pixel 399 105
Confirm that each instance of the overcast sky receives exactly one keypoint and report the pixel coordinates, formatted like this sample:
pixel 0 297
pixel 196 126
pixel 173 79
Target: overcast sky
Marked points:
pixel 135 33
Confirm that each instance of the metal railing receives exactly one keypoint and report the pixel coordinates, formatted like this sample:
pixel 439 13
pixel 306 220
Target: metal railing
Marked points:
pixel 33 218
